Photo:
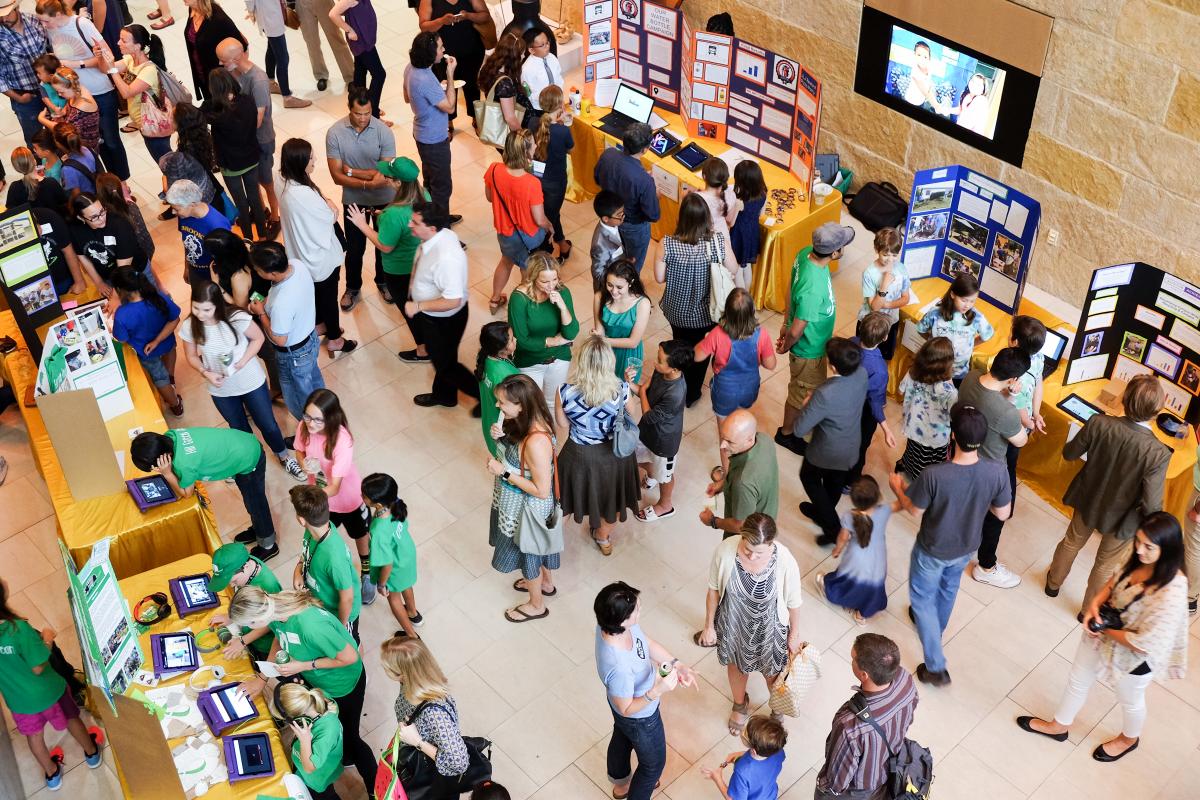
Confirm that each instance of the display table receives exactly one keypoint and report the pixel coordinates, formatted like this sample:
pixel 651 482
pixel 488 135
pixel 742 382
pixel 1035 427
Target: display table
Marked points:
pixel 1042 467
pixel 139 541
pixel 155 580
pixel 781 242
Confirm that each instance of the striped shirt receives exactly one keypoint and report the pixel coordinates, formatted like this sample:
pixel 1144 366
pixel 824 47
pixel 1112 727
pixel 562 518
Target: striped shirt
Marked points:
pixel 855 755
pixel 18 49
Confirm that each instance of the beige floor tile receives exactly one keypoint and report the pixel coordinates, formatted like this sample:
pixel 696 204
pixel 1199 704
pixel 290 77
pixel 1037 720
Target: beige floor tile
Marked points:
pixel 571 782
pixel 594 765
pixel 521 665
pixel 22 507
pixel 1040 692
pixel 543 738
pixel 961 774
pixel 1019 757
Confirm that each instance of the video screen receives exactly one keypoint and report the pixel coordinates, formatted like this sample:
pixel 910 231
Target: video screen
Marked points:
pixel 155 488
pixel 196 591
pixel 943 81
pixel 253 756
pixel 661 144
pixel 177 651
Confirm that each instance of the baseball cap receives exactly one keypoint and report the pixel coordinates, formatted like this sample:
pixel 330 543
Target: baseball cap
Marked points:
pixel 400 169
pixel 827 239
pixel 228 559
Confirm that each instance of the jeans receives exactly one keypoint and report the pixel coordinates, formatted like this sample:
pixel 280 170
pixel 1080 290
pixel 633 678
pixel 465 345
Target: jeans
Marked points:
pixel 253 486
pixel 157 146
pixel 27 116
pixel 442 337
pixel 647 738
pixel 635 238
pixel 356 247
pixel 693 373
pixel 244 191
pixel 354 750
pixel 824 489
pixel 258 403
pixel 932 588
pixel 1085 669
pixel 435 169
pixel 277 63
pixel 992 526
pixel 111 148
pixel 549 377
pixel 866 429
pixel 329 313
pixel 369 63
pixel 299 375
pixel 553 195
pixel 397 286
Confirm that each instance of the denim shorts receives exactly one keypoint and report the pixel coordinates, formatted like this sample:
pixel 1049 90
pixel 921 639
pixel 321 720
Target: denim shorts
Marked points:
pixel 266 162
pixel 514 248
pixel 156 369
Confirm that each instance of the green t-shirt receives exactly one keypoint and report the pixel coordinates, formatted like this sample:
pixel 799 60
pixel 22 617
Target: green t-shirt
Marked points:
pixel 813 302
pixel 328 568
pixel 533 323
pixel 392 544
pixel 213 454
pixel 494 371
pixel 326 753
pixel 315 633
pixel 264 579
pixel 394 233
pixel 22 649
pixel 753 481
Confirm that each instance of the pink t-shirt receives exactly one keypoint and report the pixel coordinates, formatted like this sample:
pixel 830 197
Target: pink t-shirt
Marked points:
pixel 349 496
pixel 718 345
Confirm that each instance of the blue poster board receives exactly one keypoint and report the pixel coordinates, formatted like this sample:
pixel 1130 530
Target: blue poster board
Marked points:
pixel 962 221
pixel 636 42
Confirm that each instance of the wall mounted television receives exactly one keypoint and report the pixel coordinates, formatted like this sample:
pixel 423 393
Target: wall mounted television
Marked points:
pixel 961 92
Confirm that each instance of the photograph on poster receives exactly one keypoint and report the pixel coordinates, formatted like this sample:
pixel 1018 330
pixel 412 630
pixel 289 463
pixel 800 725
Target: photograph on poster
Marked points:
pixel 36 296
pixel 1086 369
pixel 1006 255
pixel 17 231
pixel 75 360
pixel 1119 275
pixel 594 12
pixel 97 349
pixel 1091 343
pixel 1162 361
pixel 630 10
pixel 1189 377
pixel 933 197
pixel 1133 346
pixel 928 227
pixel 67 333
pixel 953 263
pixel 600 37
pixel 90 321
pixel 968 234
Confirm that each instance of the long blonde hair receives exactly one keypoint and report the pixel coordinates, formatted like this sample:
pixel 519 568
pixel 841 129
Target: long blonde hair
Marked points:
pixel 252 604
pixel 594 371
pixel 298 700
pixel 26 163
pixel 551 101
pixel 409 662
pixel 516 149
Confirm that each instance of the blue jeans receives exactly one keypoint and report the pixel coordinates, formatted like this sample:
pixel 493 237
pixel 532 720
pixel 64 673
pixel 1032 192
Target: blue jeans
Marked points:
pixel 647 738
pixel 299 375
pixel 253 486
pixel 277 63
pixel 112 150
pixel 635 238
pixel 27 116
pixel 932 588
pixel 258 403
pixel 157 146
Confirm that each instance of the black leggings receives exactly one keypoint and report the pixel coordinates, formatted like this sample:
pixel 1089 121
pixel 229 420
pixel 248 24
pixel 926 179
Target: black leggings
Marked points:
pixel 330 793
pixel 244 191
pixel 355 751
pixel 369 63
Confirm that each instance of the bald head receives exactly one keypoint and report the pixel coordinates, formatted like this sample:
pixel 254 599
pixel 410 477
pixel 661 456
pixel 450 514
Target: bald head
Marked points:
pixel 738 431
pixel 230 53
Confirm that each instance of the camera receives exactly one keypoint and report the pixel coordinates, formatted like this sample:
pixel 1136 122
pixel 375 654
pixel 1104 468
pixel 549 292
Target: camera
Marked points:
pixel 1109 619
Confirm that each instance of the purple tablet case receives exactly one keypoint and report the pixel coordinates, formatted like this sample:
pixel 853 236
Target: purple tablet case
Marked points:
pixel 231 745
pixel 156 653
pixel 183 603
pixel 145 503
pixel 207 702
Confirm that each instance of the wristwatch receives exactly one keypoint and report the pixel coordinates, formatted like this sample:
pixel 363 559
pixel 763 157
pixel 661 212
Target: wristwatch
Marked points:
pixel 506 474
pixel 314 663
pixel 881 293
pixel 712 523
pixel 349 172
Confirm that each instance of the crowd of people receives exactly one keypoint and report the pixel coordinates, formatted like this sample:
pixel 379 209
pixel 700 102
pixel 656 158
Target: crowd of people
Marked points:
pixel 576 422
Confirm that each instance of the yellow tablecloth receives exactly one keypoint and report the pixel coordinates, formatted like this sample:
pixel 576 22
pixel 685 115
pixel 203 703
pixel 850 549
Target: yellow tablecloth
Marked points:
pixel 155 580
pixel 1042 467
pixel 781 242
pixel 139 541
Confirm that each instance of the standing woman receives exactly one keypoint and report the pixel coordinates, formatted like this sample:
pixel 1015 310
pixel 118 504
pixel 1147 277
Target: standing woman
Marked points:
pixel 317 749
pixel 683 267
pixel 231 268
pixel 494 364
pixel 542 316
pixel 268 16
pixel 518 210
pixel 524 478
pixel 80 110
pixel 752 609
pixel 502 71
pixel 309 219
pixel 552 146
pixel 622 312
pixel 223 344
pixel 136 80
pixel 233 117
pixel 596 482
pixel 454 21
pixel 357 20
pixel 207 26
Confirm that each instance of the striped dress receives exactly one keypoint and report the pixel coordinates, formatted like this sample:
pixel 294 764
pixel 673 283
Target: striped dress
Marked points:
pixel 749 633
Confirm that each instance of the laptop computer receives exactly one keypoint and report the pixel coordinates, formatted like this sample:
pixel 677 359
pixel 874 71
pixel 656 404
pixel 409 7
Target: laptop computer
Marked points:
pixel 629 106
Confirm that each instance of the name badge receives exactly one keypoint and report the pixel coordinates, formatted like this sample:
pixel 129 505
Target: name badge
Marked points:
pixel 110 241
pixel 46 229
pixel 291 638
pixel 539 168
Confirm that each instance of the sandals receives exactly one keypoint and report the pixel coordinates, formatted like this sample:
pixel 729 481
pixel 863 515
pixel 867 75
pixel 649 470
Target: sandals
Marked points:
pixel 739 715
pixel 517 585
pixel 494 305
pixel 524 616
pixel 155 14
pixel 130 128
pixel 162 23
pixel 648 514
pixel 616 796
pixel 605 545
pixel 697 638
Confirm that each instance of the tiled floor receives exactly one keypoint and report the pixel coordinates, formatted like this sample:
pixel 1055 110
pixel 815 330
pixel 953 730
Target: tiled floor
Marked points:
pixel 533 688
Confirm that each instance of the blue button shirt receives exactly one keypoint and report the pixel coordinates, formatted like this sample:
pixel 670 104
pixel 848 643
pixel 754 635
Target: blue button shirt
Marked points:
pixel 624 175
pixel 430 123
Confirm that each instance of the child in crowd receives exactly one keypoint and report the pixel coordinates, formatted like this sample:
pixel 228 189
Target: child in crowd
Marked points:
pixel 325 447
pixel 663 395
pixel 955 318
pixel 722 203
pixel 490 790
pixel 393 553
pixel 929 394
pixel 317 749
pixel 606 238
pixel 146 321
pixel 1029 336
pixel 325 567
pixel 36 694
pixel 756 770
pixel 872 331
pixel 44 66
pixel 750 189
pixel 552 143
pixel 858 582
pixel 886 287
pixel 621 312
pixel 234 567
pixel 737 346
pixel 46 149
pixel 493 364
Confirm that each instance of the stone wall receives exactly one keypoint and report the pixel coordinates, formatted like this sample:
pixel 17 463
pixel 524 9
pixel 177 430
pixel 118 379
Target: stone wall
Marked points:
pixel 1114 151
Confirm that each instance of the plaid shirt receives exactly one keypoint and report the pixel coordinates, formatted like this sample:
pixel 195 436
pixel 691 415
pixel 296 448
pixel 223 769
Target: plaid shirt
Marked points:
pixel 855 755
pixel 17 52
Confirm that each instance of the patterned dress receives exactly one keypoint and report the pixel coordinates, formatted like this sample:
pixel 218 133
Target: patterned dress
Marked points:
pixel 507 504
pixel 749 633
pixel 926 424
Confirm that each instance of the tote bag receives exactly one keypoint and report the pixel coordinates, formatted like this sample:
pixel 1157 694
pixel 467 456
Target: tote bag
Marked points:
pixel 387 776
pixel 625 432
pixel 158 112
pixel 419 774
pixel 803 670
pixel 720 283
pixel 490 125
pixel 536 534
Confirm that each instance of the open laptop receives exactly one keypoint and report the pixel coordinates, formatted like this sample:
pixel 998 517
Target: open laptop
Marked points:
pixel 629 106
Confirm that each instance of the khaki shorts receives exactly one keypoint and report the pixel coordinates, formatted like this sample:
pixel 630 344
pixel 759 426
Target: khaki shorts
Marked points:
pixel 806 375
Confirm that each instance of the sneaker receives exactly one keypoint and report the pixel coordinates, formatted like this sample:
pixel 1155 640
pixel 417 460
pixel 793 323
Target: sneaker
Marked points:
pixel 275 88
pixel 292 467
pixel 93 761
pixel 416 619
pixel 925 675
pixel 291 101
pixel 246 537
pixel 54 782
pixel 368 590
pixel 429 400
pixel 349 300
pixel 412 357
pixel 264 553
pixel 385 295
pixel 999 576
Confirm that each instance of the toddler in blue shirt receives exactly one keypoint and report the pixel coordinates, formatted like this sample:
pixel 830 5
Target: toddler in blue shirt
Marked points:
pixel 756 770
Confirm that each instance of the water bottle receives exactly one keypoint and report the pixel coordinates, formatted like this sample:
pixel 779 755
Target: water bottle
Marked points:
pixel 576 100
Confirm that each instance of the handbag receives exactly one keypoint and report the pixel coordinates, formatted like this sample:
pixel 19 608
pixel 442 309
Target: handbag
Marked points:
pixel 387 775
pixel 172 89
pixel 626 433
pixel 158 118
pixel 290 17
pixel 720 284
pixel 490 125
pixel 419 775
pixel 802 671
pixel 538 535
pixel 531 243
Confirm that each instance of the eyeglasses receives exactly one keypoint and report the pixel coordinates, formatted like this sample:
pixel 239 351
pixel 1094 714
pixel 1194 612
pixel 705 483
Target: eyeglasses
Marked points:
pixel 99 215
pixel 313 420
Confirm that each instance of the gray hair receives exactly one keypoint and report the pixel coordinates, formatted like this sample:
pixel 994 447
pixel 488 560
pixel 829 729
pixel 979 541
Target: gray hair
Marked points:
pixel 184 193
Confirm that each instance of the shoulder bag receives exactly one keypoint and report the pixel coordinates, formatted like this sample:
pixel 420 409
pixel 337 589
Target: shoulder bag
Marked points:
pixel 171 88
pixel 490 125
pixel 419 775
pixel 720 283
pixel 158 117
pixel 538 535
pixel 387 776
pixel 290 18
pixel 625 435
pixel 531 243
pixel 486 30
pixel 802 671
pixel 877 206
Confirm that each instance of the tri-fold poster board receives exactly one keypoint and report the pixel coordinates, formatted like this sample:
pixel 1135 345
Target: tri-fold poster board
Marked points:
pixel 637 42
pixel 25 274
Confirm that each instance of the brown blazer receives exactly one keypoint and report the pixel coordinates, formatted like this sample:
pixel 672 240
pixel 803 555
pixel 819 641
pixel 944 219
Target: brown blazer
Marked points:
pixel 1123 478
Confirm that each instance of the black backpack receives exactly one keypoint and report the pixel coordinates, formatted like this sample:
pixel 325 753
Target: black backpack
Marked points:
pixel 909 769
pixel 877 206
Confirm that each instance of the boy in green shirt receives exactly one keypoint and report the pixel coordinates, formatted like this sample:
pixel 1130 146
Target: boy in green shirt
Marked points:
pixel 808 323
pixel 326 568
pixel 233 566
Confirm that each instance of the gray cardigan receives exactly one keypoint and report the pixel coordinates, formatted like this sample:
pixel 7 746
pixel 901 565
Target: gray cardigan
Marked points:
pixel 834 415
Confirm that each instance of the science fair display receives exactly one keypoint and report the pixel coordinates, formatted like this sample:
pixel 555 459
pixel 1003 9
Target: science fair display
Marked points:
pixel 80 353
pixel 636 42
pixel 25 274
pixel 962 221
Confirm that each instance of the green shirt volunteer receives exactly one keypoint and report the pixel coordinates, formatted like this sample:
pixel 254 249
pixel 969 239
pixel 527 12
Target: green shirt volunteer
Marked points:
pixel 22 649
pixel 392 545
pixel 494 371
pixel 212 454
pixel 326 752
pixel 813 302
pixel 229 560
pixel 394 233
pixel 328 569
pixel 315 633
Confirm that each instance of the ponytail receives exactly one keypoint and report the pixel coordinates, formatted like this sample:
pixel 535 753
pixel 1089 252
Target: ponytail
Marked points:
pixel 382 489
pixel 551 101
pixel 25 162
pixel 127 280
pixel 864 495
pixel 149 43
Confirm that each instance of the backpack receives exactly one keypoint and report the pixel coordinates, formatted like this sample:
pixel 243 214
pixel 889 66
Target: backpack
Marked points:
pixel 909 768
pixel 877 206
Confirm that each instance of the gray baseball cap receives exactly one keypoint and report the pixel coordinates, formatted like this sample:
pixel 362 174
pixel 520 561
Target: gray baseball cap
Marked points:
pixel 831 237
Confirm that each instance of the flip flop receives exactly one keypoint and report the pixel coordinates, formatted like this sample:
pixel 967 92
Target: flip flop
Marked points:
pixel 525 617
pixel 648 514
pixel 697 636
pixel 517 585
pixel 130 128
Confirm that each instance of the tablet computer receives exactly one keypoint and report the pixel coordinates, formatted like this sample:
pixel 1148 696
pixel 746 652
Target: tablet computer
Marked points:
pixel 173 653
pixel 1052 351
pixel 691 156
pixel 191 594
pixel 151 491
pixel 1079 408
pixel 248 755
pixel 662 144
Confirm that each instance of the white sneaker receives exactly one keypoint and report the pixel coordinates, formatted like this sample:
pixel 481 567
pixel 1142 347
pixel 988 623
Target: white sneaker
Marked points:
pixel 999 576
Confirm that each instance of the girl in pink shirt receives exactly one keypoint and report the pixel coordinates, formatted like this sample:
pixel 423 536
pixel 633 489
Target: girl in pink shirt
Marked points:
pixel 738 346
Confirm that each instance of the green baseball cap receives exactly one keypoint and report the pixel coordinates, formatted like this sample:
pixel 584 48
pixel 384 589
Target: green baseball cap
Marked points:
pixel 400 169
pixel 228 559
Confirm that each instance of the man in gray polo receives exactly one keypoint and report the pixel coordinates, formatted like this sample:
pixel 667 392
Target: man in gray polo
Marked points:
pixel 354 145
